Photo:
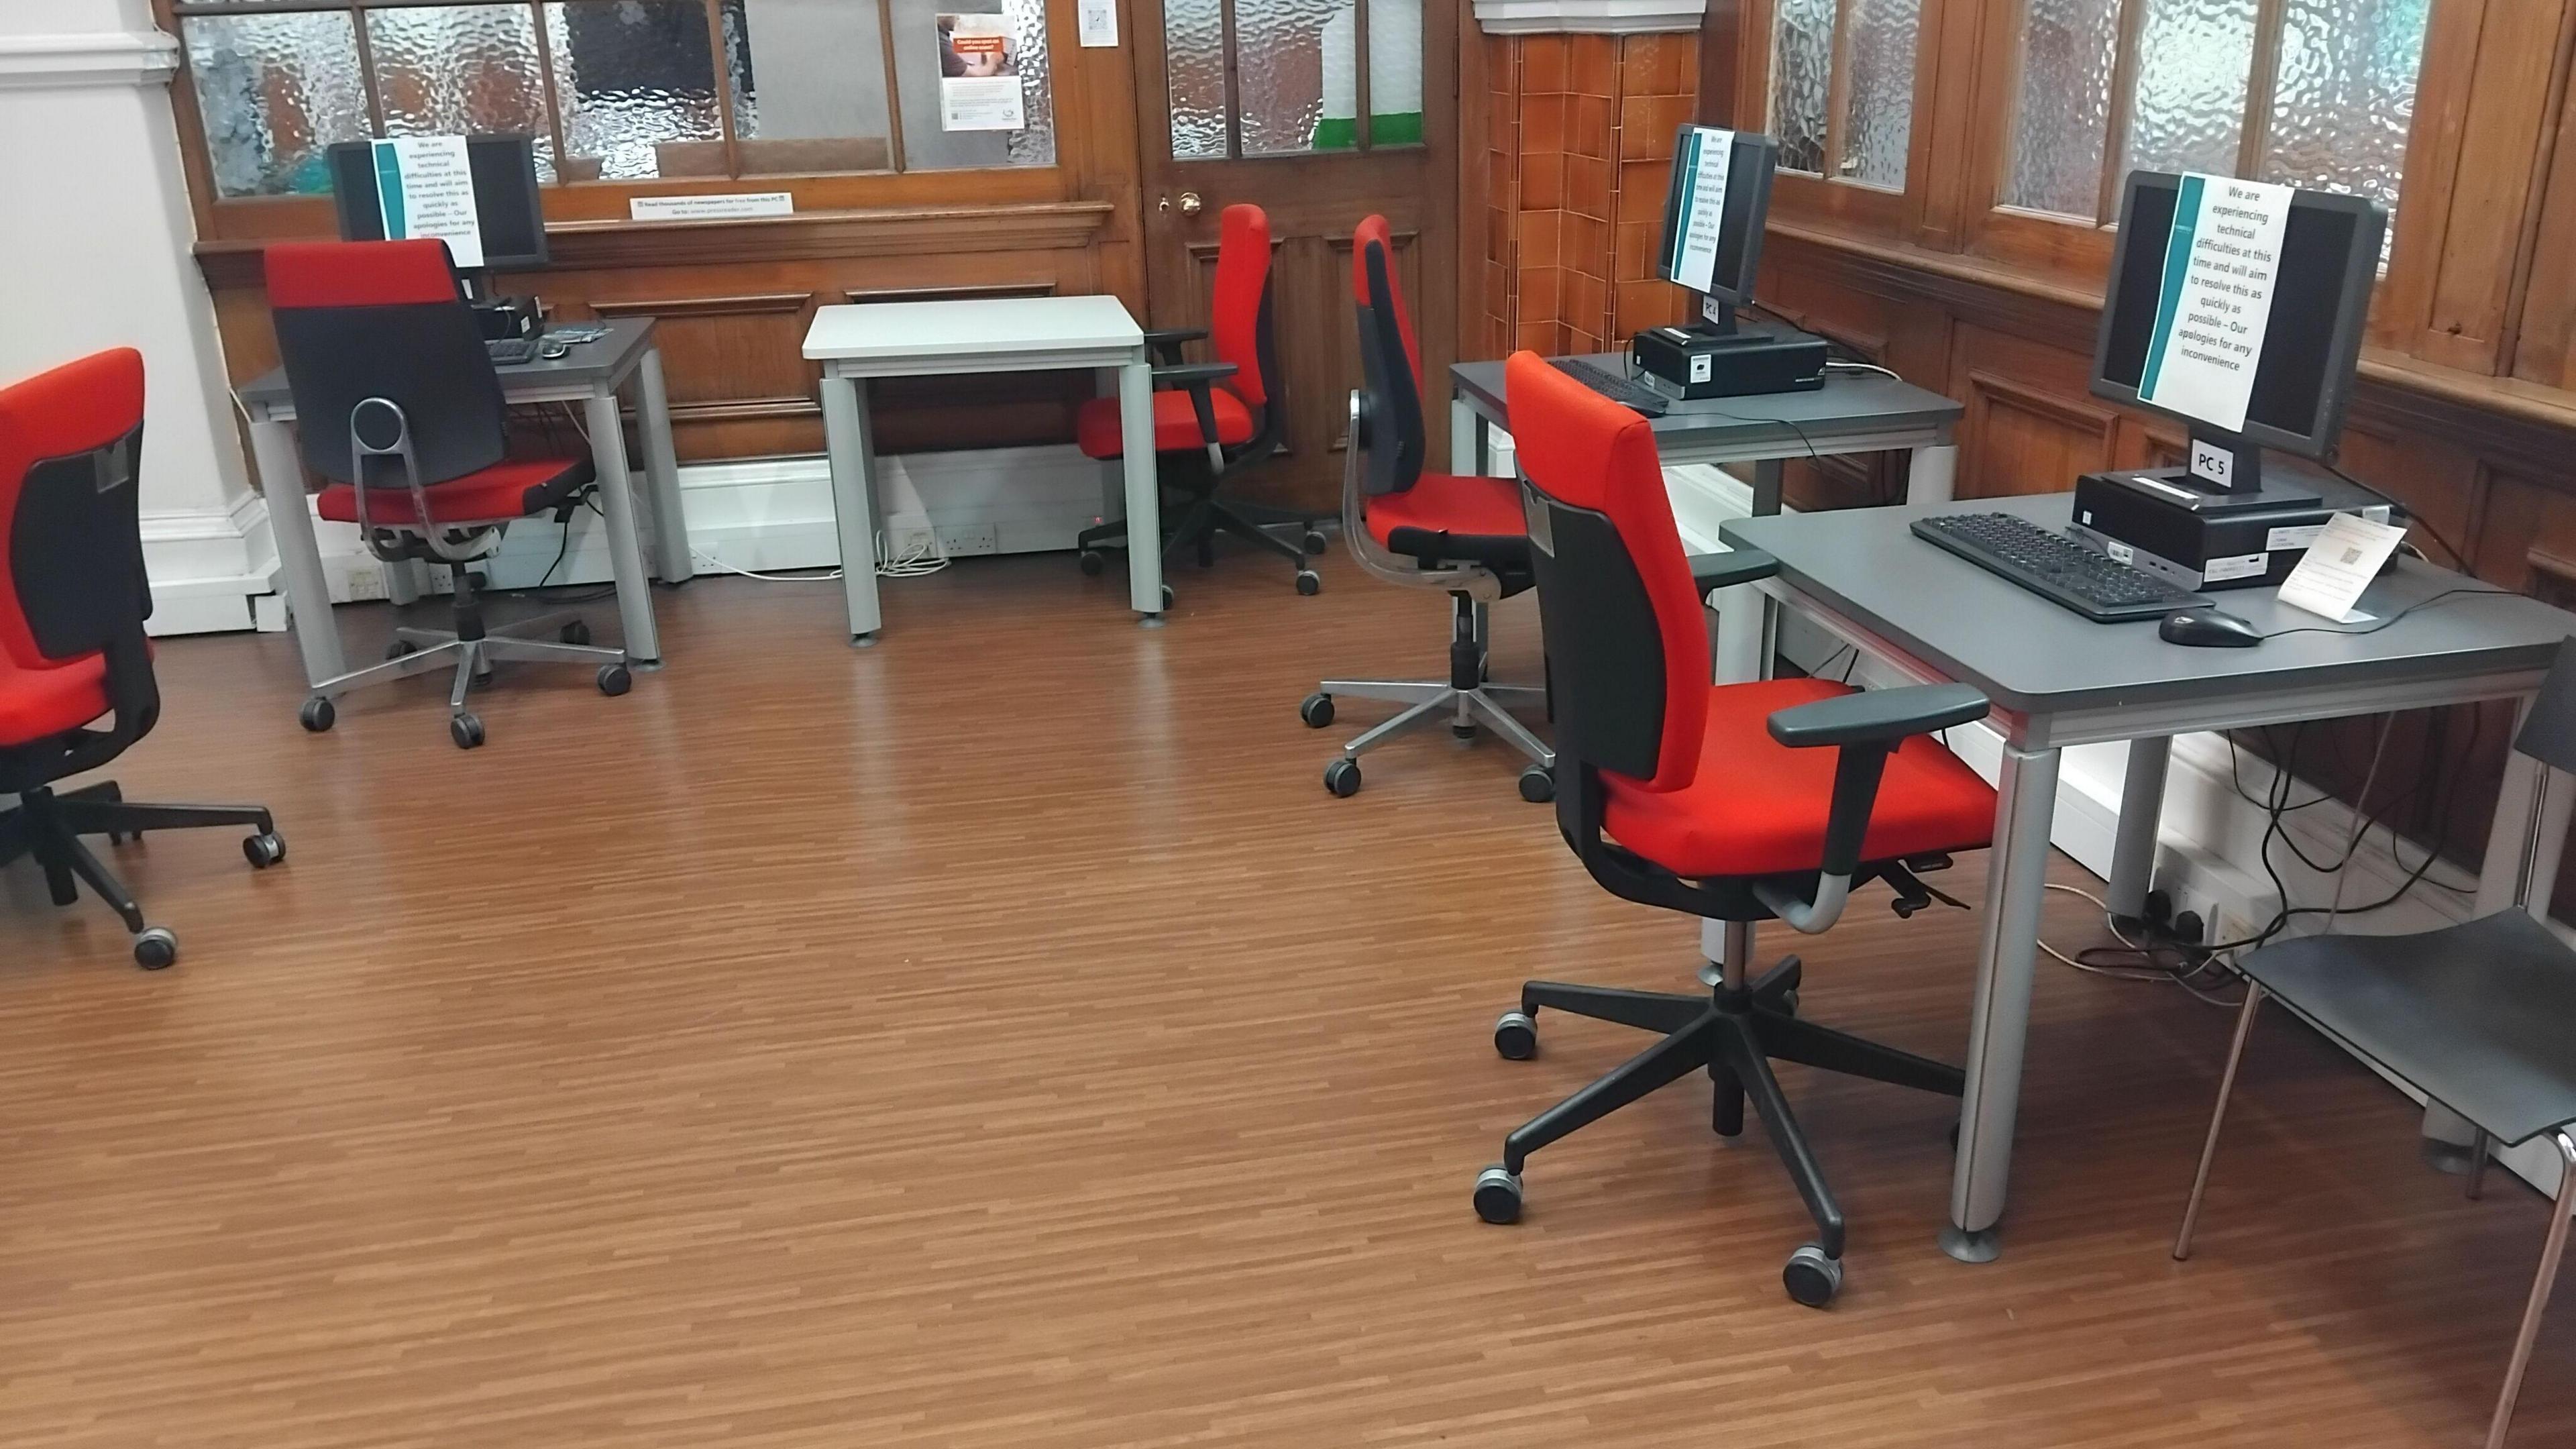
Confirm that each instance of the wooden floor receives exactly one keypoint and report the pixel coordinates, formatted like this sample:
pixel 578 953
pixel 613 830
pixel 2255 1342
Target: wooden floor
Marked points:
pixel 999 1038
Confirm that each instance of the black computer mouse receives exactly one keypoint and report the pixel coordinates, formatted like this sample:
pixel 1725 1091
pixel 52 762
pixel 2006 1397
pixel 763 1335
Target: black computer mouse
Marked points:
pixel 2208 629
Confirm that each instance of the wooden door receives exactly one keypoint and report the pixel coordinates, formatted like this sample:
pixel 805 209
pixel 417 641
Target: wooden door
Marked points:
pixel 1265 101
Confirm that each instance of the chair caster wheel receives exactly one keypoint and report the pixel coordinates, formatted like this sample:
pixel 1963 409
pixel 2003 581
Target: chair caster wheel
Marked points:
pixel 614 680
pixel 1313 543
pixel 264 849
pixel 399 648
pixel 1538 786
pixel 1812 1278
pixel 1516 1036
pixel 317 715
pixel 1309 582
pixel 155 948
pixel 1092 562
pixel 1342 777
pixel 466 730
pixel 1498 1195
pixel 576 632
pixel 1317 711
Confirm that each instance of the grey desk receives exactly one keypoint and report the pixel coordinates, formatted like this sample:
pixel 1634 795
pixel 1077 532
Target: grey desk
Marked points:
pixel 590 375
pixel 2058 680
pixel 1854 412
pixel 858 341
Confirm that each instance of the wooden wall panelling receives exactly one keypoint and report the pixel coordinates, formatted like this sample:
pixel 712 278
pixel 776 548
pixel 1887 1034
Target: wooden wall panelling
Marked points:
pixel 2545 326
pixel 2510 113
pixel 2030 426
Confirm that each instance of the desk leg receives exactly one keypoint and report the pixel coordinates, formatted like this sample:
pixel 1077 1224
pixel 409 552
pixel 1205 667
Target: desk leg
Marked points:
pixel 1932 475
pixel 1144 491
pixel 1766 487
pixel 1466 439
pixel 853 457
pixel 2017 872
pixel 671 562
pixel 299 558
pixel 2133 847
pixel 625 554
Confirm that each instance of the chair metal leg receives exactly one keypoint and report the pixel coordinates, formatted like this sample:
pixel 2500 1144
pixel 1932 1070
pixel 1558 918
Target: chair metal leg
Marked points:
pixel 547 651
pixel 1660 1065
pixel 2217 1119
pixel 469 664
pixel 1393 691
pixel 1792 1039
pixel 1655 1011
pixel 1743 1053
pixel 428 658
pixel 102 883
pixel 1377 734
pixel 124 817
pixel 2551 1248
pixel 1726 1106
pixel 1779 981
pixel 1481 705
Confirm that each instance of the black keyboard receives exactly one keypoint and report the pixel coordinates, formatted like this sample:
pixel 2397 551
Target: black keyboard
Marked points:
pixel 1634 396
pixel 2056 567
pixel 511 351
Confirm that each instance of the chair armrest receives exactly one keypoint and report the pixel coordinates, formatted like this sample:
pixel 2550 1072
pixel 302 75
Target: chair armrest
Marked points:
pixel 1198 377
pixel 1878 716
pixel 1167 341
pixel 1725 570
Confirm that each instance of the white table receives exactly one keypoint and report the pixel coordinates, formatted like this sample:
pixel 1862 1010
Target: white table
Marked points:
pixel 589 374
pixel 985 335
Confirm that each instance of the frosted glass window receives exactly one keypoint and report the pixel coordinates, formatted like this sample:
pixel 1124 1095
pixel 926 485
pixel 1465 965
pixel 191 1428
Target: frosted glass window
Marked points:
pixel 272 92
pixel 2060 118
pixel 2342 89
pixel 809 90
pixel 1802 50
pixel 1878 105
pixel 461 70
pixel 1842 87
pixel 1292 84
pixel 607 89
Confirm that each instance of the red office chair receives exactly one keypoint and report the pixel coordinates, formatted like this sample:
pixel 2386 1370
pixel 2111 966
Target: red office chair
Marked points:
pixel 1229 413
pixel 398 407
pixel 1423 530
pixel 1735 803
pixel 73 599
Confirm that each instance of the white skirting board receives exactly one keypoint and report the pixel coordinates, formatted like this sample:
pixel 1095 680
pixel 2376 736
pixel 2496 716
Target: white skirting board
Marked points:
pixel 209 574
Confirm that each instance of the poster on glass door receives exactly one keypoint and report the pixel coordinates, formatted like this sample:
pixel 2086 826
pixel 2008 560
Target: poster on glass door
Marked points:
pixel 979 74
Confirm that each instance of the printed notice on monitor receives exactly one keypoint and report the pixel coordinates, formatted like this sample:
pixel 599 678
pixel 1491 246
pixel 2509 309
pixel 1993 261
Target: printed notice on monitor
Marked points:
pixel 425 188
pixel 1701 207
pixel 2216 298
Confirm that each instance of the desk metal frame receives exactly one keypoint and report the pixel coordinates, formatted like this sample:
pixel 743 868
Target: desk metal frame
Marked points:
pixel 592 375
pixel 2025 806
pixel 850 439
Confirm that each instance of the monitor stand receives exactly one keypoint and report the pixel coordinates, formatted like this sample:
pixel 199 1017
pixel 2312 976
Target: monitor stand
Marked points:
pixel 2224 475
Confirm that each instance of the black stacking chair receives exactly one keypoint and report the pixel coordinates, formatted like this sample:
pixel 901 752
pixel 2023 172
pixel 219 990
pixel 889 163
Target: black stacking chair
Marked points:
pixel 2480 1017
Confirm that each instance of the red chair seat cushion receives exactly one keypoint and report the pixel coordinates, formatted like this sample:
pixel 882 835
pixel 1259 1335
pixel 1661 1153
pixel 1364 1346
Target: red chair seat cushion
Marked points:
pixel 37 704
pixel 511 488
pixel 1176 424
pixel 1757 807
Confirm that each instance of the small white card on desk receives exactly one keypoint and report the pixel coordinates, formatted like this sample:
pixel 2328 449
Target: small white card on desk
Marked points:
pixel 2339 565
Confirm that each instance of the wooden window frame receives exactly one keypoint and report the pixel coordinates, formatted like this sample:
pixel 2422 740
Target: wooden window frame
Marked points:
pixel 264 218
pixel 1833 199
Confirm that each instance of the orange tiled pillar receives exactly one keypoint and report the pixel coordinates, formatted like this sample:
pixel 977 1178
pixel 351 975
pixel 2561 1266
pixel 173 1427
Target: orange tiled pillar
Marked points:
pixel 1579 135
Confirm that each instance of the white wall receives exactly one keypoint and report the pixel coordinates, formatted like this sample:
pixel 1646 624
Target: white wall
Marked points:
pixel 95 234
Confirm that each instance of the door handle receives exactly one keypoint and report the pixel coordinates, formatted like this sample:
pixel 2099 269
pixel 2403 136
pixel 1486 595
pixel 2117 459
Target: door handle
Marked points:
pixel 1190 203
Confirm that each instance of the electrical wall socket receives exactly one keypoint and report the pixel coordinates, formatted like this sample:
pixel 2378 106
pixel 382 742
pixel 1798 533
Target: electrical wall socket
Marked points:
pixel 365 581
pixel 2231 903
pixel 962 539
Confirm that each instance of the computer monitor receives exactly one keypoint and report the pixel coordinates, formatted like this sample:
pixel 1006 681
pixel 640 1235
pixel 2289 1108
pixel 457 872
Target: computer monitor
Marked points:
pixel 505 197
pixel 1713 214
pixel 2311 342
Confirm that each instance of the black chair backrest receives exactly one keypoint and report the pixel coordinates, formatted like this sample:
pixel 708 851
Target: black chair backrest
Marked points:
pixel 364 320
pixel 1393 439
pixel 72 582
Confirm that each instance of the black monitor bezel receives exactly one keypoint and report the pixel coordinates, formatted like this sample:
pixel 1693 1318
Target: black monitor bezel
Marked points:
pixel 2343 355
pixel 335 160
pixel 1766 162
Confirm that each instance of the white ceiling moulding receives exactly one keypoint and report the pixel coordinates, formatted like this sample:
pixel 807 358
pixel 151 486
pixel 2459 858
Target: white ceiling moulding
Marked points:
pixel 95 58
pixel 1588 17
